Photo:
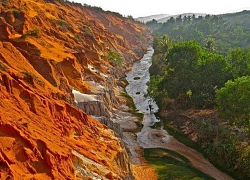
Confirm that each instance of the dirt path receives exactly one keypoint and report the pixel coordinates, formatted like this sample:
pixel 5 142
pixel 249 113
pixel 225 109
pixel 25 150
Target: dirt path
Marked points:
pixel 159 138
pixel 197 159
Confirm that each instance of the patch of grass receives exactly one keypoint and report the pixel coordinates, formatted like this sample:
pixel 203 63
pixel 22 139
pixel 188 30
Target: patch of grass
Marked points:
pixel 26 73
pixel 130 102
pixel 123 82
pixel 62 23
pixel 28 77
pixel 181 137
pixel 131 105
pixel 170 165
pixel 87 30
pixel 139 115
pixel 34 33
pixel 114 58
pixel 3 67
pixel 16 11
pixel 77 37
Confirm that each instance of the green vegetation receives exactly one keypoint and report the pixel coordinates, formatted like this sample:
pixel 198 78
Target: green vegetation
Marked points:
pixel 34 33
pixel 61 22
pixel 3 67
pixel 239 62
pixel 114 58
pixel 233 102
pixel 160 95
pixel 130 104
pixel 77 37
pixel 226 31
pixel 224 148
pixel 180 70
pixel 29 77
pixel 173 166
pixel 87 30
pixel 193 77
pixel 204 63
pixel 130 17
pixel 177 134
pixel 64 24
pixel 16 12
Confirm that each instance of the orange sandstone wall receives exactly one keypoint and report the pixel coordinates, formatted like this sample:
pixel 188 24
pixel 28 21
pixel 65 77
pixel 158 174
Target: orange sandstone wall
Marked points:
pixel 46 48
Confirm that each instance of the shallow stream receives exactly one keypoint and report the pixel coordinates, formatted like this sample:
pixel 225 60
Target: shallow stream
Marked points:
pixel 138 78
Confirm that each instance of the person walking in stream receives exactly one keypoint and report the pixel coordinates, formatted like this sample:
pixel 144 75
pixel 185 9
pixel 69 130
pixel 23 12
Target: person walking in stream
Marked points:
pixel 150 105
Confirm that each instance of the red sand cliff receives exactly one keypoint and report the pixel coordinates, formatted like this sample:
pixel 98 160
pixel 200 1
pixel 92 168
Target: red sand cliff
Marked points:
pixel 45 50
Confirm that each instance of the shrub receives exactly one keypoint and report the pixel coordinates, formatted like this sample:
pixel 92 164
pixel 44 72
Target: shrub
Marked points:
pixel 3 67
pixel 34 33
pixel 233 101
pixel 114 58
pixel 62 23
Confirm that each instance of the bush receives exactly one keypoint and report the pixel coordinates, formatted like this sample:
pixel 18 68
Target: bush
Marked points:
pixel 233 101
pixel 3 67
pixel 34 33
pixel 114 58
pixel 223 148
pixel 62 23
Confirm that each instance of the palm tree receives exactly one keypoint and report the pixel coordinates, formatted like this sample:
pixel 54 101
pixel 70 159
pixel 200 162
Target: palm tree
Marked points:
pixel 165 43
pixel 210 45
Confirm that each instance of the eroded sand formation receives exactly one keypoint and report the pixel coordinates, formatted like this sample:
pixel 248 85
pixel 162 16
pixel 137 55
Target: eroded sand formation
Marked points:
pixel 48 50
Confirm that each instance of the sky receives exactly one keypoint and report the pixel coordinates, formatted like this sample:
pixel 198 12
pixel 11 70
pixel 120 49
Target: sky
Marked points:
pixel 140 8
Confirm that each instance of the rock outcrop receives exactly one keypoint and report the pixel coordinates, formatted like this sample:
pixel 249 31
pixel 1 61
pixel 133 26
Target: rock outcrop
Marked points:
pixel 47 49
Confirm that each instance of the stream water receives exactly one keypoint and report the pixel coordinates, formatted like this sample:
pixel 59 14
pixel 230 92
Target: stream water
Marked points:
pixel 138 78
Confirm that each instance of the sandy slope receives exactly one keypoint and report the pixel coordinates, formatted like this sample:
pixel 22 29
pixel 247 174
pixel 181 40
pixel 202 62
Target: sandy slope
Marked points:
pixel 47 48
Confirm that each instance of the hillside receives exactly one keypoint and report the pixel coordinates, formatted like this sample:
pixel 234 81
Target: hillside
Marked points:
pixel 48 50
pixel 238 19
pixel 221 32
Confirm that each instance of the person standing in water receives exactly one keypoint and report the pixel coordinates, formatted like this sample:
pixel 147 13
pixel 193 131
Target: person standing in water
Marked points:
pixel 150 105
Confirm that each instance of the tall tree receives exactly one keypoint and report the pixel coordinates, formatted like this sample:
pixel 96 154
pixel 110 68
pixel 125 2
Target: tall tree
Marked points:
pixel 239 60
pixel 233 101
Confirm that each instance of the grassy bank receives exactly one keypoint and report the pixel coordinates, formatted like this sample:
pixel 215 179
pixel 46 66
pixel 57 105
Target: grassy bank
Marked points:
pixel 131 105
pixel 170 165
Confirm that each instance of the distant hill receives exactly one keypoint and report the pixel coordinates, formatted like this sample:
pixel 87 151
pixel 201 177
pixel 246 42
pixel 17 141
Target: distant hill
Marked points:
pixel 226 31
pixel 162 20
pixel 150 18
